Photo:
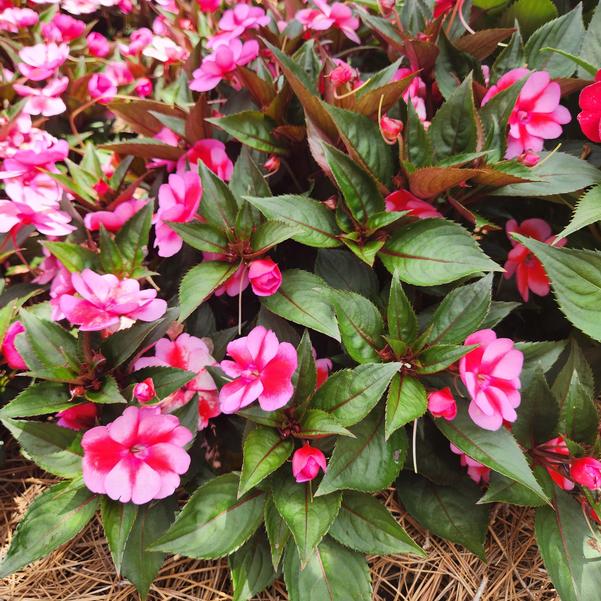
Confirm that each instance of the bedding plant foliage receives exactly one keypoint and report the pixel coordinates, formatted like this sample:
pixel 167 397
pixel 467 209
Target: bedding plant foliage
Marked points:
pixel 263 261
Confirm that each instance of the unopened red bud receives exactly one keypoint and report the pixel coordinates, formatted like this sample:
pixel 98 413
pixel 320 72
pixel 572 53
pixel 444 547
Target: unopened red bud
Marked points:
pixel 391 128
pixel 272 164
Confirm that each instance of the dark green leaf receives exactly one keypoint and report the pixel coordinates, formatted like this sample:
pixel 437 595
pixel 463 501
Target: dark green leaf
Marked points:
pixel 202 236
pixel 251 568
pixel 165 379
pixel 117 520
pixel 277 532
pixel 304 379
pixel 402 321
pixel 73 256
pixel 586 212
pixel 591 44
pixel 218 205
pixel 503 490
pixel 406 401
pixel 343 270
pixel 132 238
pixel 440 357
pixel 38 399
pixel 108 393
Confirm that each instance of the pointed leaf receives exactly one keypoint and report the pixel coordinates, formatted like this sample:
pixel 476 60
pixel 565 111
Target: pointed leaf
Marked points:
pixel 117 520
pixel 406 401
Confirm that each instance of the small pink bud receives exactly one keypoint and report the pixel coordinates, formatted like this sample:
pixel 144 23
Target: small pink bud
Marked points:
pixel 586 471
pixel 265 277
pixel 98 45
pixel 441 403
pixel 102 88
pixel 143 87
pixel 144 391
pixel 9 350
pixel 343 74
pixel 306 463
pixel 391 128
pixel 272 164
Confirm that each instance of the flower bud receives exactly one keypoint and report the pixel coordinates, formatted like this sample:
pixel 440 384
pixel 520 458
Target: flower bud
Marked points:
pixel 586 471
pixel 391 128
pixel 144 391
pixel 272 164
pixel 441 403
pixel 9 350
pixel 265 277
pixel 98 45
pixel 306 463
pixel 143 87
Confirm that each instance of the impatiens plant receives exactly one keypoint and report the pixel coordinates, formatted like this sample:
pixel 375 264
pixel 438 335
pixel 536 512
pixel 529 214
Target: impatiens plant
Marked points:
pixel 262 263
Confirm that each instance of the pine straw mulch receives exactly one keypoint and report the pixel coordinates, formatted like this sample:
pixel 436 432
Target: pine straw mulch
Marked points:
pixel 82 570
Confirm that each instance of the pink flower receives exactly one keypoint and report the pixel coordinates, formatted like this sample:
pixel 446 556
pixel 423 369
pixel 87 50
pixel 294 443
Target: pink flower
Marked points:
pixel 491 374
pixel 262 369
pixel 529 271
pixel 590 116
pixel 45 217
pixel 102 88
pixel 208 6
pixel 9 350
pixel 178 202
pixel 119 72
pixel 143 87
pixel 555 459
pixel 12 19
pixel 324 367
pixel 165 50
pixel 537 115
pixel 224 60
pixel 144 391
pixel 306 463
pixel 78 417
pixel 236 21
pixel 443 6
pixel 586 471
pixel 42 60
pixel 98 45
pixel 114 220
pixel 138 40
pixel 343 73
pixel 44 101
pixel 138 457
pixel 476 471
pixel 63 28
pixel 264 276
pixel 391 128
pixel 441 403
pixel 104 299
pixel 236 283
pixel 212 154
pixel 403 200
pixel 324 16
pixel 415 93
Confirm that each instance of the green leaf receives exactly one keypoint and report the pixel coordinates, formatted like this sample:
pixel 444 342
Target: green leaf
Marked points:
pixel 251 569
pixel 132 238
pixel 344 271
pixel 510 57
pixel 453 129
pixel 73 256
pixel 584 66
pixel 218 206
pixel 559 173
pixel 576 281
pixel 359 189
pixel 264 451
pixel 498 311
pixel 54 518
pixel 538 414
pixel 304 379
pixel 361 326
pixel 333 572
pixel 530 14
pixel 308 518
pixel 402 321
pixel 278 532
pixel 270 233
pixel 316 224
pixel 165 379
pixel 201 236
pixel 365 525
pixel 569 548
pixel 200 282
pixel 539 355
pixel 448 511
pixel 591 44
pixel 303 298
pixel 318 424
pixel 117 520
pixel 252 128
pixel 368 462
pixel 247 179
pixel 363 140
pixel 440 357
pixel 460 313
pixel 497 450
pixel 574 389
pixel 430 252
pixel 503 490
pixel 139 565
pixel 110 257
pixel 55 449
pixel 38 399
pixel 586 212
pixel 406 401
pixel 418 143
pixel 565 33
pixel 350 394
pixel 108 393
pixel 214 522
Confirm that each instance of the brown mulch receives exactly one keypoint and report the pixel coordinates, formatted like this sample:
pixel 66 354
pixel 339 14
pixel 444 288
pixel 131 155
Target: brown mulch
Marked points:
pixel 82 569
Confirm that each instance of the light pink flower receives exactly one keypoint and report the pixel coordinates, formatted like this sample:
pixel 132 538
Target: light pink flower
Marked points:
pixel 178 201
pixel 306 463
pixel 212 154
pixel 42 60
pixel 144 391
pixel 537 115
pixel 114 220
pixel 102 88
pixel 264 276
pixel 98 45
pixel 586 471
pixel 325 16
pixel 415 93
pixel 529 271
pixel 9 350
pixel 79 417
pixel 138 40
pixel 46 218
pixel 44 101
pixel 262 369
pixel 441 403
pixel 61 284
pixel 104 299
pixel 403 200
pixel 224 60
pixel 476 471
pixel 491 374
pixel 165 50
pixel 12 19
pixel 138 457
pixel 119 72
pixel 236 21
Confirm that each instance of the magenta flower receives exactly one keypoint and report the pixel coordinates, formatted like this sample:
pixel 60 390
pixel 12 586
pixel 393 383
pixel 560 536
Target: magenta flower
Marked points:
pixel 590 104
pixel 586 471
pixel 262 369
pixel 12 19
pixel 212 154
pixel 9 350
pixel 104 299
pixel 178 201
pixel 403 200
pixel 45 217
pixel 44 101
pixel 114 220
pixel 415 93
pixel 491 374
pixel 42 60
pixel 79 417
pixel 224 60
pixel 475 470
pixel 324 367
pixel 102 88
pixel 264 276
pixel 529 271
pixel 441 403
pixel 236 21
pixel 306 463
pixel 98 45
pixel 537 115
pixel 62 28
pixel 325 16
pixel 138 457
